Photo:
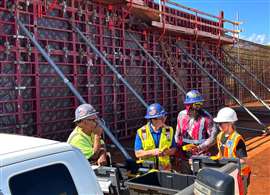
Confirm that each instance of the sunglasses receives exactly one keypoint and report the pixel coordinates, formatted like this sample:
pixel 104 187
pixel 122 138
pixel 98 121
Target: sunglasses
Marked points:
pixel 197 105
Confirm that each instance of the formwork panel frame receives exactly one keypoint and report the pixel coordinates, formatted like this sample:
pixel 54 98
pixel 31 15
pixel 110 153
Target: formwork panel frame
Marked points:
pixel 89 74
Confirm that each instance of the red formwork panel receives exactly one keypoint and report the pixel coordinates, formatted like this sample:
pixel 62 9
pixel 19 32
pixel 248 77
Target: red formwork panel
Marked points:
pixel 256 58
pixel 34 101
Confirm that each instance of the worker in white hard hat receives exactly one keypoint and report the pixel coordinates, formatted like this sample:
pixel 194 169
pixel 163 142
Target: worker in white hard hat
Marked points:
pixel 87 135
pixel 231 144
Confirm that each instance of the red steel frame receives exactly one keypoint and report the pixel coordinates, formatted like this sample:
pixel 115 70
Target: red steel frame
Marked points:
pixel 256 58
pixel 45 108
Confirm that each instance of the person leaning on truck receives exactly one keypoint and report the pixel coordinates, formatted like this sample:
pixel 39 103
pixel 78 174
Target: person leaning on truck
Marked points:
pixel 231 144
pixel 154 142
pixel 87 135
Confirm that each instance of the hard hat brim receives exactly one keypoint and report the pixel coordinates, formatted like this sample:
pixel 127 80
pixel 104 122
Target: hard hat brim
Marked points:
pixel 155 116
pixel 86 116
pixel 194 101
pixel 219 120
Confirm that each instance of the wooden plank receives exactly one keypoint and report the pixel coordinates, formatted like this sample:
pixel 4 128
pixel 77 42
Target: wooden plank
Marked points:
pixel 258 143
pixel 250 141
pixel 137 2
pixel 259 150
pixel 143 12
pixel 110 1
pixel 190 31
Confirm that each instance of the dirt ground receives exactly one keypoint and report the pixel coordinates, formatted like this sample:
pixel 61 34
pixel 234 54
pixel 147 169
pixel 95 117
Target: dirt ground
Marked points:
pixel 258 150
pixel 260 178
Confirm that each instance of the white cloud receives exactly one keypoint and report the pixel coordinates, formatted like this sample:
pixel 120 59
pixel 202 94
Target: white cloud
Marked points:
pixel 258 38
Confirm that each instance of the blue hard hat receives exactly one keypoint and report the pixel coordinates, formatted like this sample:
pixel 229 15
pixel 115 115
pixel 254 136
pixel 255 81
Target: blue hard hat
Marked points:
pixel 155 111
pixel 193 96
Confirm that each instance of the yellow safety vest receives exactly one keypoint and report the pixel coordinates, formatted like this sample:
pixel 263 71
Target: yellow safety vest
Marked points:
pixel 148 143
pixel 230 149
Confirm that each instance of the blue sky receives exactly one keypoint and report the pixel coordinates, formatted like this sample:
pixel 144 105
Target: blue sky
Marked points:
pixel 255 15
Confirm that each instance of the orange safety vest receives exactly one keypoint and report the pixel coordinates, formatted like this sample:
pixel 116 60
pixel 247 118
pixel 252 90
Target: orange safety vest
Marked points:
pixel 230 149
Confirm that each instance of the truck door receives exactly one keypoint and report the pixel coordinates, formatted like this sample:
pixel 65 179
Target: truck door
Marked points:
pixel 58 174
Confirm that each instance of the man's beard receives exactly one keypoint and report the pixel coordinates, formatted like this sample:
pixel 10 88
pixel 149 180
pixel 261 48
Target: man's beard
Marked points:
pixel 194 113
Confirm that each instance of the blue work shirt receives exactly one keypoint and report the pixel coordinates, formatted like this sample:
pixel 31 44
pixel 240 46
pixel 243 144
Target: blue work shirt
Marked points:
pixel 156 137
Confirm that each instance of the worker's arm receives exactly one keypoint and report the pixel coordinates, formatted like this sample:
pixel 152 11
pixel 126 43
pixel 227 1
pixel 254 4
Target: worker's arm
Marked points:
pixel 241 152
pixel 100 154
pixel 244 160
pixel 169 152
pixel 140 153
pixel 213 131
pixel 147 153
pixel 177 135
pixel 97 143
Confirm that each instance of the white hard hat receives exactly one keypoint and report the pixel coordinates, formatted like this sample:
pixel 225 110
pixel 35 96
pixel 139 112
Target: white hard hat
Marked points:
pixel 226 115
pixel 83 111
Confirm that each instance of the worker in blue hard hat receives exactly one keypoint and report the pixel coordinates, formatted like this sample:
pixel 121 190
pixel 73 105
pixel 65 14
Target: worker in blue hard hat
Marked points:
pixel 194 127
pixel 154 143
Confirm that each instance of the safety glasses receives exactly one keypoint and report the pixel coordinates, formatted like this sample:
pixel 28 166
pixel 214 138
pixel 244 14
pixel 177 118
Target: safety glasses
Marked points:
pixel 197 105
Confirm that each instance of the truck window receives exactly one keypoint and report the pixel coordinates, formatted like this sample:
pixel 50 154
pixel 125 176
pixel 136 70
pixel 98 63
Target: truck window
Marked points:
pixel 54 180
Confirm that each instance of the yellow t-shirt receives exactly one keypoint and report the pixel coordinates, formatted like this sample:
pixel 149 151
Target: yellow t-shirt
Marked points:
pixel 82 141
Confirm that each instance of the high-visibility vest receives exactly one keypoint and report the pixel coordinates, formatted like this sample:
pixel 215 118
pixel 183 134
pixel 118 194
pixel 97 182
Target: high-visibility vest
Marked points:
pixel 148 143
pixel 198 128
pixel 230 149
pixel 82 141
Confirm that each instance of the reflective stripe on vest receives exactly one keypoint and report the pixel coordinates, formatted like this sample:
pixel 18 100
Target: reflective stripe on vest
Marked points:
pixel 230 149
pixel 200 132
pixel 148 143
pixel 230 145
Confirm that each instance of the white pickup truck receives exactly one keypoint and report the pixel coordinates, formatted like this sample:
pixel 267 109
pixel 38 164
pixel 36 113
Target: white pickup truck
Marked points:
pixel 35 166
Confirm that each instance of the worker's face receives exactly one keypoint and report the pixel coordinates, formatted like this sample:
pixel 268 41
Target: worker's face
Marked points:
pixel 159 122
pixel 227 128
pixel 90 124
pixel 192 109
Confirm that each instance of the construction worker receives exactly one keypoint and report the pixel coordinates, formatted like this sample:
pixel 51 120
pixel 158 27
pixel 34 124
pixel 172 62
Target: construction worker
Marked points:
pixel 87 135
pixel 194 129
pixel 154 143
pixel 231 144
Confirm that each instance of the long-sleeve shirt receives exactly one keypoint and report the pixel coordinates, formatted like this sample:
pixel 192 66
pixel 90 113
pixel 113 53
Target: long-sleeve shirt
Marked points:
pixel 211 140
pixel 200 131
